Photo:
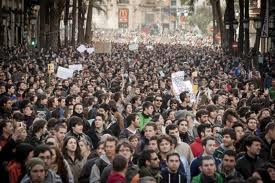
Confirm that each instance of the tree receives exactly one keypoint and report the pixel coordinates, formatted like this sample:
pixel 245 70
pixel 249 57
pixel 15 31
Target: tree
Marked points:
pixel 74 22
pixel 93 4
pixel 81 18
pixel 66 18
pixel 241 28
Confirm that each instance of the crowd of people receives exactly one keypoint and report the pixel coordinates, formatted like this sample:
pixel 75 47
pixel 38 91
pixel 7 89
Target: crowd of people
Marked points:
pixel 118 120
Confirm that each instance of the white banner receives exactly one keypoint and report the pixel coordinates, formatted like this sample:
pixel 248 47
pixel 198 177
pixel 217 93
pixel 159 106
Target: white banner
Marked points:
pixel 149 47
pixel 264 33
pixel 76 67
pixel 64 73
pixel 81 48
pixel 133 47
pixel 90 50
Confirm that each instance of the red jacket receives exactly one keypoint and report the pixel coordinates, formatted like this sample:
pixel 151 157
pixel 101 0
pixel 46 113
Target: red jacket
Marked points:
pixel 115 177
pixel 196 147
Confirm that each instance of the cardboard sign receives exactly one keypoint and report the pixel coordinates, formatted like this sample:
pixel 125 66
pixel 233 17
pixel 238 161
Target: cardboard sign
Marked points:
pixel 76 67
pixel 81 48
pixel 50 68
pixel 133 47
pixel 103 47
pixel 64 73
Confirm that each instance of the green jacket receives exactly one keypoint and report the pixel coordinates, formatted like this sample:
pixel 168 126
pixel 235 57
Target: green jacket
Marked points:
pixel 143 120
pixel 197 179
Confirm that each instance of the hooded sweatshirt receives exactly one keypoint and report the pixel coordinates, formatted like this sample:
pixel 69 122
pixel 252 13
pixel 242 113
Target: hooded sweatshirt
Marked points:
pixel 169 177
pixel 51 177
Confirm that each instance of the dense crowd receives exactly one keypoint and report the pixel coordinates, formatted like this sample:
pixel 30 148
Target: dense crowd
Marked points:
pixel 119 120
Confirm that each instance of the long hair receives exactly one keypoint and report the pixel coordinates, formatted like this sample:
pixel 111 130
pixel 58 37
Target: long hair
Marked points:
pixel 65 151
pixel 61 167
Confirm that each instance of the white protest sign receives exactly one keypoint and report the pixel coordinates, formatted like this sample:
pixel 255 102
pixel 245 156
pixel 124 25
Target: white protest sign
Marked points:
pixel 64 73
pixel 81 48
pixel 133 47
pixel 90 50
pixel 76 67
pixel 149 47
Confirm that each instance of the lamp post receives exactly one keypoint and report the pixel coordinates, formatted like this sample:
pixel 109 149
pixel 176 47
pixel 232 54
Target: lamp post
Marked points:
pixel 246 31
pixel 227 27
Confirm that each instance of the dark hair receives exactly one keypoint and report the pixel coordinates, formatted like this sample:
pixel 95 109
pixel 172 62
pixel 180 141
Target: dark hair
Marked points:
pixel 106 107
pixel 211 108
pixel 124 143
pixel 230 132
pixel 237 124
pixel 58 126
pixel 119 163
pixel 41 149
pixel 73 121
pixel 202 127
pixel 164 137
pixel 130 118
pixel 205 158
pixel 231 153
pixel 145 156
pixel 170 127
pixel 269 126
pixel 111 139
pixel 200 113
pixel 38 125
pixel 61 167
pixel 205 140
pixel 131 137
pixel 172 154
pixel 65 151
pixel 183 95
pixel 3 124
pixel 250 139
pixel 227 113
pixel 146 105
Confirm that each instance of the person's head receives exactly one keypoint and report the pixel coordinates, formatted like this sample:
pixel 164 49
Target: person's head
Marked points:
pixel 271 169
pixel 208 166
pixel 6 103
pixel 39 126
pixel 172 129
pixel 230 117
pixel 51 141
pixel 75 124
pixel 36 170
pixel 150 130
pixel 100 150
pixel 253 145
pixel 149 158
pixel 228 137
pixel 164 144
pixel 133 139
pixel 57 157
pixel 254 179
pixel 229 160
pixel 202 116
pixel 148 108
pixel 184 97
pixel 120 164
pixel 60 131
pixel 212 111
pixel 252 124
pixel 99 121
pixel 110 146
pixel 23 153
pixel 6 127
pixel 157 101
pixel 173 162
pixel 78 108
pixel 183 126
pixel 239 130
pixel 208 145
pixel 85 146
pixel 270 130
pixel 70 146
pixel 147 179
pixel 204 130
pixel 153 143
pixel 132 120
pixel 43 152
pixel 125 149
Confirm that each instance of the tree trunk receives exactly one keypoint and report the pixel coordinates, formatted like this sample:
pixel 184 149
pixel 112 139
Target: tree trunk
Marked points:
pixel 42 35
pixel 229 16
pixel 258 33
pixel 56 8
pixel 88 35
pixel 74 23
pixel 1 26
pixel 215 30
pixel 246 31
pixel 81 17
pixel 241 29
pixel 220 26
pixel 66 17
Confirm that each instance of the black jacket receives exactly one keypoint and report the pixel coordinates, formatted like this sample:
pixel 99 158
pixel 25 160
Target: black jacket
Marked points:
pixel 93 136
pixel 168 177
pixel 246 165
pixel 86 171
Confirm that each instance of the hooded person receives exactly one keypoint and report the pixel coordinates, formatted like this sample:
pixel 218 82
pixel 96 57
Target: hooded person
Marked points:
pixel 37 171
pixel 16 168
